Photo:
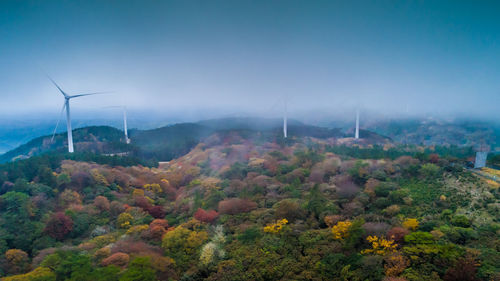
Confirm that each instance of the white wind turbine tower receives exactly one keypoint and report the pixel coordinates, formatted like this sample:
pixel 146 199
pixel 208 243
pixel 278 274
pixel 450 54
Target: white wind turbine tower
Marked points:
pixel 68 115
pixel 285 120
pixel 125 129
pixel 356 134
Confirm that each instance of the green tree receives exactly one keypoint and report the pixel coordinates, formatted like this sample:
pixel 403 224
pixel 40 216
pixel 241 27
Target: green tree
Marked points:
pixel 17 221
pixel 139 269
pixel 315 202
pixel 429 171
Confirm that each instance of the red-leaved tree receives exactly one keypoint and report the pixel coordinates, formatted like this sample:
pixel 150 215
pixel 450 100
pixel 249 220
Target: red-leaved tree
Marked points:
pixel 157 228
pixel 464 270
pixel 59 225
pixel 156 212
pixel 142 202
pixel 118 259
pixel 206 216
pixel 236 205
pixel 101 203
pixel 159 222
pixel 397 234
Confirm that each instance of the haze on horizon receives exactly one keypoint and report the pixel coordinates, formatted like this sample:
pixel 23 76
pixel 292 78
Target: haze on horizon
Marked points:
pixel 231 57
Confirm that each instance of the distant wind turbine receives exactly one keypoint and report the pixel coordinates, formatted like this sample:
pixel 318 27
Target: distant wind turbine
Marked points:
pixel 285 120
pixel 356 134
pixel 68 115
pixel 124 109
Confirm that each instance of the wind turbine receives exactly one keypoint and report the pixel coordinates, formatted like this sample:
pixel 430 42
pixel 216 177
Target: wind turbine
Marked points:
pixel 68 115
pixel 285 120
pixel 356 134
pixel 124 109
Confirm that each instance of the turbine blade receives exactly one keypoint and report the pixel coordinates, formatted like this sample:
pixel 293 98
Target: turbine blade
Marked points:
pixel 57 124
pixel 89 94
pixel 55 84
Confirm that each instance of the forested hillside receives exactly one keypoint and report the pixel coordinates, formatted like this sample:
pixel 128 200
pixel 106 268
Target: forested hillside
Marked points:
pixel 96 139
pixel 165 143
pixel 240 208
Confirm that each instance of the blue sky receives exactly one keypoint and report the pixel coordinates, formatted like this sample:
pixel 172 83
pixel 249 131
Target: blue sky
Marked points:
pixel 438 57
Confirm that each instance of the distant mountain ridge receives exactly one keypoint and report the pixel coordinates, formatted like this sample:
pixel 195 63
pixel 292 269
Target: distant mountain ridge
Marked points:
pixel 166 142
pixel 93 139
pixel 438 132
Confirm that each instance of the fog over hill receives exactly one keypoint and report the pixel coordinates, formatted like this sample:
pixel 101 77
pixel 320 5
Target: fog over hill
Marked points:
pixel 164 143
pixel 412 130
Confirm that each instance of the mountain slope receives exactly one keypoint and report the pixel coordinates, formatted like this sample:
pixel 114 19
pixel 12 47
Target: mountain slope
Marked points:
pixel 97 139
pixel 173 141
pixel 233 208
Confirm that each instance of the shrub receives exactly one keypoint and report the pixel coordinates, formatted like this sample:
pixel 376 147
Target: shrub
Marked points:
pixel 410 224
pixel 383 190
pixel 395 264
pixel 397 234
pixel 250 235
pixel 140 268
pixel 434 158
pixel 376 228
pixel 137 229
pixel 159 222
pixel 419 237
pixel 39 274
pixel 208 253
pixel 118 259
pixel 206 216
pixel 17 261
pixel 392 210
pixel 137 192
pixel 156 232
pixel 156 212
pixel 116 208
pixel 347 189
pixel 164 266
pixel 68 197
pixel 290 210
pixel 135 248
pixel 332 220
pixel 142 202
pixel 125 220
pixel 102 253
pixel 464 270
pixel 461 221
pixel 236 205
pixel 429 170
pixel 101 203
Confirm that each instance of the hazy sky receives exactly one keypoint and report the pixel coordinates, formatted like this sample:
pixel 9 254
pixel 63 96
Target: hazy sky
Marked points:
pixel 236 55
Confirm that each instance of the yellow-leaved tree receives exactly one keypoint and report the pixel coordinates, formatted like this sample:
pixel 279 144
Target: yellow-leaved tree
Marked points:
pixel 380 246
pixel 125 220
pixel 183 244
pixel 341 230
pixel 153 187
pixel 411 224
pixel 40 273
pixel 17 261
pixel 276 227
